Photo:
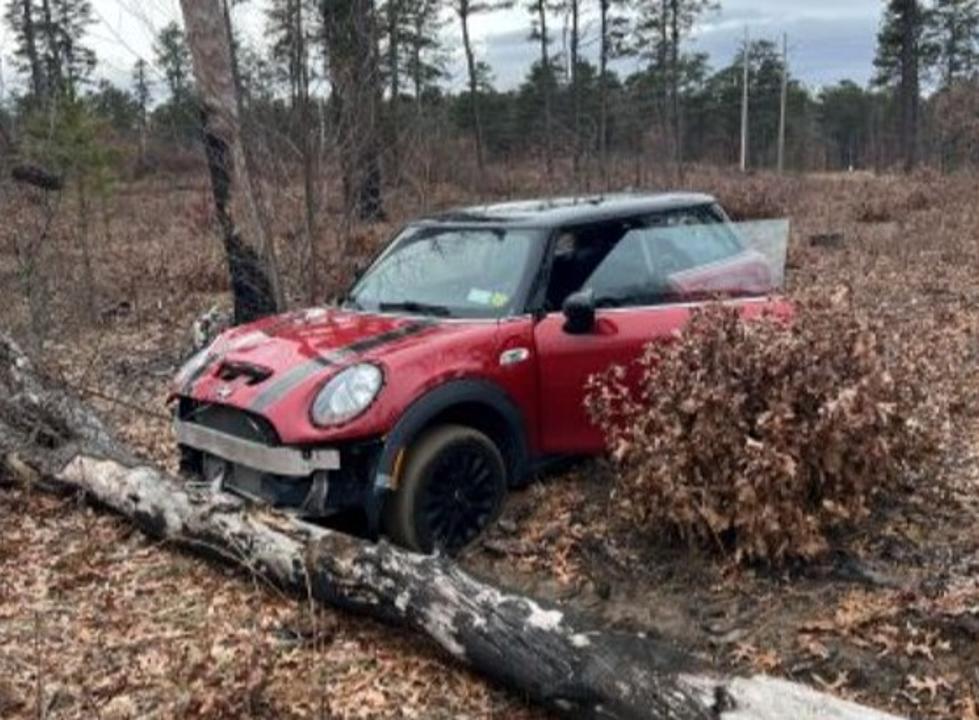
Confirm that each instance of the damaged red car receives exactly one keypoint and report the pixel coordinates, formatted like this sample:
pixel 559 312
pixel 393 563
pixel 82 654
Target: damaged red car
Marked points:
pixel 456 365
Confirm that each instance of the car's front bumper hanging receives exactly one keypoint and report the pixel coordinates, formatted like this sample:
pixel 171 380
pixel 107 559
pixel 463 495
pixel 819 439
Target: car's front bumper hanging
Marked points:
pixel 284 461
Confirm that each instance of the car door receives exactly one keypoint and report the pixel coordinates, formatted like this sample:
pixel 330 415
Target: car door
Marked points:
pixel 632 267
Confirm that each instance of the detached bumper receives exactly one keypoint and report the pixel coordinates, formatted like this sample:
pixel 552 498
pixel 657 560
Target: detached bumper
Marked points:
pixel 284 461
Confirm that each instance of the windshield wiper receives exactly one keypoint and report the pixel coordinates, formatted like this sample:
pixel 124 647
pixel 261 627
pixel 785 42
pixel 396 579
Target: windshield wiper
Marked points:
pixel 416 307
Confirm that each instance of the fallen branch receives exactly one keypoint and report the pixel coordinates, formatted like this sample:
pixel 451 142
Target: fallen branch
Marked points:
pixel 536 650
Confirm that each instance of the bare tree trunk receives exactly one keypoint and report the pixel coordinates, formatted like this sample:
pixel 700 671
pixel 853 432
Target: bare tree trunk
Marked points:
pixel 50 441
pixel 909 84
pixel 250 254
pixel 54 81
pixel 463 11
pixel 575 90
pixel 546 70
pixel 30 44
pixel 85 245
pixel 675 88
pixel 233 49
pixel 306 147
pixel 394 70
pixel 352 43
pixel 603 94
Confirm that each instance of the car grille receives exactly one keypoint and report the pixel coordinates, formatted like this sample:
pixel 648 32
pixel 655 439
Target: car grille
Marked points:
pixel 230 421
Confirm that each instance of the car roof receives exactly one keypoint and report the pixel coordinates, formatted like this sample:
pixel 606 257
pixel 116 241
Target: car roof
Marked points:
pixel 551 212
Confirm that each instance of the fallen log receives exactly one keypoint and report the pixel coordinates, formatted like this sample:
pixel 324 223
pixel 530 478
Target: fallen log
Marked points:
pixel 51 440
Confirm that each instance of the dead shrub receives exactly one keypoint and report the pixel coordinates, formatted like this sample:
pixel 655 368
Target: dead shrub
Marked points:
pixel 758 436
pixel 875 209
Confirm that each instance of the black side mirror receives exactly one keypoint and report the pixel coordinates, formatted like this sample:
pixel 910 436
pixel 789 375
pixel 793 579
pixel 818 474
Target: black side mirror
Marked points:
pixel 579 312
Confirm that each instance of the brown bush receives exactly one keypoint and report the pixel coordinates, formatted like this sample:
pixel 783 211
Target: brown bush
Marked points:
pixel 760 436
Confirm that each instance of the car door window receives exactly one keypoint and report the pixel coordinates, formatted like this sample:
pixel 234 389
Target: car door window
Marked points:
pixel 639 262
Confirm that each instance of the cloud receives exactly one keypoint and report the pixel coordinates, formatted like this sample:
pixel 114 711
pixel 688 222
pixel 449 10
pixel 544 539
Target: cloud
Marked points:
pixel 828 42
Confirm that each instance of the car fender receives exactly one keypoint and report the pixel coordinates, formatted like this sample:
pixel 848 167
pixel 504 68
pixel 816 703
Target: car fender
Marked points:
pixel 427 407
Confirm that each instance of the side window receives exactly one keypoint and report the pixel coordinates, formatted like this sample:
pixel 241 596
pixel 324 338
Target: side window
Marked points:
pixel 602 258
pixel 647 261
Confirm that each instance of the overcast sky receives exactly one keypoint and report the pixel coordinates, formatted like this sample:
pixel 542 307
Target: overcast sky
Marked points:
pixel 829 40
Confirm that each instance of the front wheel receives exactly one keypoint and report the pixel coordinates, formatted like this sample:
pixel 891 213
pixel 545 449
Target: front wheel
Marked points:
pixel 452 488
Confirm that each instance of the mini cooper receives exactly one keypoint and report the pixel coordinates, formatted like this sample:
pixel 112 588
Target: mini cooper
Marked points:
pixel 455 367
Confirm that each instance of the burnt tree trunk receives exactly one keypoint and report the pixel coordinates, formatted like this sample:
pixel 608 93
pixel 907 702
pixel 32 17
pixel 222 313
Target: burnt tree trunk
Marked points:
pixel 51 441
pixel 251 258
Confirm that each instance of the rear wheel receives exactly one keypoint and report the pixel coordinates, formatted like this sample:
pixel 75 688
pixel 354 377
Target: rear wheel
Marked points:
pixel 452 488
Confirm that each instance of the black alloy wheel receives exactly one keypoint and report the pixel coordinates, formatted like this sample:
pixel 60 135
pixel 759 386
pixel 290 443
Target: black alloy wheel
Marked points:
pixel 453 487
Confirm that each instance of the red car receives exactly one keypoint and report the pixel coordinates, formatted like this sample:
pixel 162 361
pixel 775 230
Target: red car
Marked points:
pixel 456 364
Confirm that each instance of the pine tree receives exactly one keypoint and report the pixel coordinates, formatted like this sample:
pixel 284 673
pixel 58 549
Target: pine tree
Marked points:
pixel 173 57
pixel 285 26
pixel 904 51
pixel 73 18
pixel 426 60
pixel 662 28
pixel 22 18
pixel 539 9
pixel 613 29
pixel 465 10
pixel 350 34
pixel 50 45
pixel 141 94
pixel 954 32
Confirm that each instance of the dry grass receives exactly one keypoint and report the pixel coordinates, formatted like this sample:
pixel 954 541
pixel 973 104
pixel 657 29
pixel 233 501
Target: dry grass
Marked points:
pixel 97 622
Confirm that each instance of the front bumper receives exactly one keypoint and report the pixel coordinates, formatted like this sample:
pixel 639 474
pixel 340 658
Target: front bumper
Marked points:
pixel 240 453
pixel 285 461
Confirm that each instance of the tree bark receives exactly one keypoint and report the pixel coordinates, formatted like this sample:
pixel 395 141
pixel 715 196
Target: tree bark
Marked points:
pixel 250 254
pixel 351 41
pixel 545 69
pixel 675 88
pixel 909 84
pixel 394 70
pixel 463 11
pixel 575 89
pixel 603 93
pixel 30 45
pixel 50 440
pixel 309 156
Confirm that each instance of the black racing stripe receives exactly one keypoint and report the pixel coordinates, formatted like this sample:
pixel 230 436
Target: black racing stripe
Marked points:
pixel 286 382
pixel 188 386
pixel 303 372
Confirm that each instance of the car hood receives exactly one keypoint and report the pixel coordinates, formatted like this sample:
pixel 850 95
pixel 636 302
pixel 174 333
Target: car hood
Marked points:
pixel 255 366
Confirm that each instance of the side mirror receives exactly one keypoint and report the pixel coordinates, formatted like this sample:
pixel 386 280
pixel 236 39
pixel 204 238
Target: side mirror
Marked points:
pixel 579 312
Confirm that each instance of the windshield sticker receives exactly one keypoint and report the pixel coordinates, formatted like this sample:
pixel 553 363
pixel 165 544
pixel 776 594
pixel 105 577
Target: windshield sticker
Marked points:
pixel 498 300
pixel 480 297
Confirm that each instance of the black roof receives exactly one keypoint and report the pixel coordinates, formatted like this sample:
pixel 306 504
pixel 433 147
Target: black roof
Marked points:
pixel 550 212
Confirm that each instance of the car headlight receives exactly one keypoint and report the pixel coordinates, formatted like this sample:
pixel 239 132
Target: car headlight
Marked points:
pixel 347 395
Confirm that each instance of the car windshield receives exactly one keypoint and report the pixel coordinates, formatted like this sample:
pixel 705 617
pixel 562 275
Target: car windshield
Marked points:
pixel 448 272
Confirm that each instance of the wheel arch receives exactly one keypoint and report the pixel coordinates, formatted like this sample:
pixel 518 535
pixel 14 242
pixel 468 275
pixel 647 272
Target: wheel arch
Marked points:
pixel 479 404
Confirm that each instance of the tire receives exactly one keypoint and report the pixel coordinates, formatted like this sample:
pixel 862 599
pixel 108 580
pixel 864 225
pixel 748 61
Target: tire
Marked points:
pixel 432 508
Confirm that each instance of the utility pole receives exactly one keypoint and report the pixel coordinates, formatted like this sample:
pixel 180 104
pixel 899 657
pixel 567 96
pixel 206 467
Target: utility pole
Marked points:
pixel 744 108
pixel 784 102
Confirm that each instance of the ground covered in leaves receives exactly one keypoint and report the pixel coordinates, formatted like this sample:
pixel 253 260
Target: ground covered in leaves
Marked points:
pixel 95 621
